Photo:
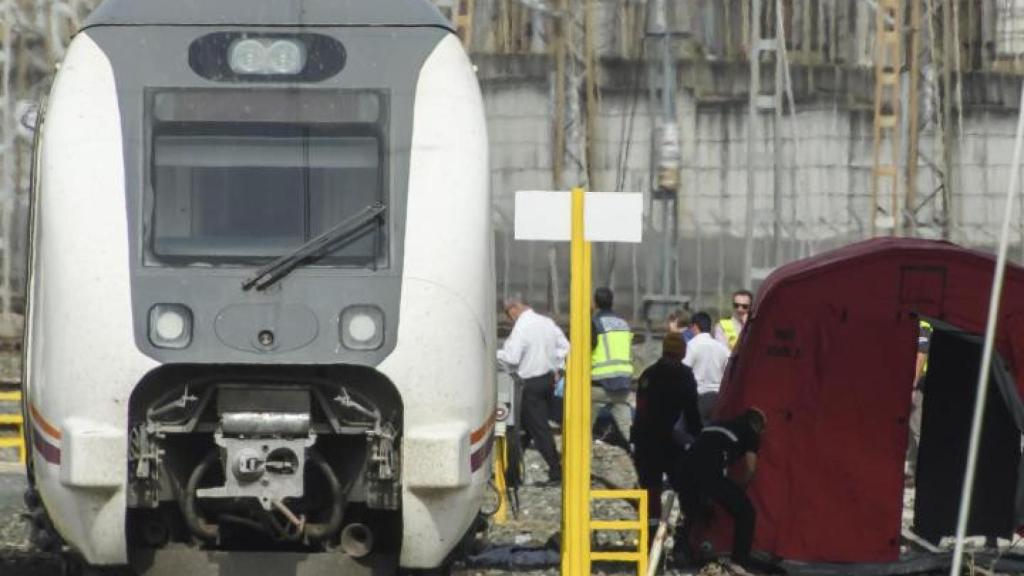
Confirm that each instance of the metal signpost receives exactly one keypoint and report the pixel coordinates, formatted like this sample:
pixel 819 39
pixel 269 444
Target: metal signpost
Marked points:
pixel 580 218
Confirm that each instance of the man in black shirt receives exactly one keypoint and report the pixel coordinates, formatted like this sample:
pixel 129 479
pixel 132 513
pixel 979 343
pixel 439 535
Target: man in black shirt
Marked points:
pixel 666 394
pixel 704 478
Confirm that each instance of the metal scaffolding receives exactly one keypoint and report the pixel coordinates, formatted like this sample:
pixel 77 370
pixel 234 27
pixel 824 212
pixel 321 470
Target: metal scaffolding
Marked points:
pixel 33 37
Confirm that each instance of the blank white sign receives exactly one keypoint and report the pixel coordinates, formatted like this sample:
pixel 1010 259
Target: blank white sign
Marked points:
pixel 608 216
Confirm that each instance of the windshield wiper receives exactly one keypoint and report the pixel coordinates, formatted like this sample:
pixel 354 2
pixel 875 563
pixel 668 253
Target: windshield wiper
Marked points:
pixel 315 249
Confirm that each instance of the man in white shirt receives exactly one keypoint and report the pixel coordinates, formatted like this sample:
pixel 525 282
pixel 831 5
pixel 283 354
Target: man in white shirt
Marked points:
pixel 536 350
pixel 707 357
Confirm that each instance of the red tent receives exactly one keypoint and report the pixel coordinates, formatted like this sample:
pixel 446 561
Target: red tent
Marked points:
pixel 829 356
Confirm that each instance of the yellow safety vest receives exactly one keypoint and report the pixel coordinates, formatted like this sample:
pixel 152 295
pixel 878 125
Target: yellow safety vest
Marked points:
pixel 612 357
pixel 732 334
pixel 926 326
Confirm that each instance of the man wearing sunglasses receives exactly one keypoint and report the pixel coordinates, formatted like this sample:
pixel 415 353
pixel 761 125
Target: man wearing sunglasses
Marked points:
pixel 728 330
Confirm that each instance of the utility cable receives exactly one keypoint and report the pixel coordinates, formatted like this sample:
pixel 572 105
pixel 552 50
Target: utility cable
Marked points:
pixel 986 356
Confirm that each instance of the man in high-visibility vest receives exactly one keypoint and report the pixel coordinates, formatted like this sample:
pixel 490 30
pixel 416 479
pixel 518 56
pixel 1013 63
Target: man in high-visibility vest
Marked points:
pixel 924 339
pixel 728 330
pixel 611 363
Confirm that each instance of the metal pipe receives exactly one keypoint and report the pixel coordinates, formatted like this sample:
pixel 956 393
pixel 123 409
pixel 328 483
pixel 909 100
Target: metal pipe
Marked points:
pixel 987 351
pixel 243 521
pixel 755 88
pixel 189 508
pixel 910 214
pixel 777 184
pixel 357 540
pixel 321 531
pixel 285 511
pixel 947 120
pixel 657 546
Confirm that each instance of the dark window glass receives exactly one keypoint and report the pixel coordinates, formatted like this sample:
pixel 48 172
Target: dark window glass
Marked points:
pixel 246 192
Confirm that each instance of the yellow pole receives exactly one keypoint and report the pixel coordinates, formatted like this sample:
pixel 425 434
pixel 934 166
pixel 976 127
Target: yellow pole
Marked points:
pixel 576 432
pixel 500 466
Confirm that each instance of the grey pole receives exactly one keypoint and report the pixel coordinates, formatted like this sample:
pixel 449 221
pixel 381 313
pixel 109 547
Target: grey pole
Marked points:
pixel 986 356
pixel 755 88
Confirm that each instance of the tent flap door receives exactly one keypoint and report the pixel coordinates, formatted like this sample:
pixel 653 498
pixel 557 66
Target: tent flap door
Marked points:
pixel 949 394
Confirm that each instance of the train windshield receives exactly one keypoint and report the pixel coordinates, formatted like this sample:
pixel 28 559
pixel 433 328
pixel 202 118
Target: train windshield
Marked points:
pixel 241 177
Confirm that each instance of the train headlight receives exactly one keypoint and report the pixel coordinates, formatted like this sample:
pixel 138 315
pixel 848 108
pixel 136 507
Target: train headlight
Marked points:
pixel 267 56
pixel 170 326
pixel 362 327
pixel 286 57
pixel 248 57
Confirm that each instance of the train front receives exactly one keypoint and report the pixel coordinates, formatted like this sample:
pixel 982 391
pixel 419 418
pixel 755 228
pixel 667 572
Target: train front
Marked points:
pixel 261 308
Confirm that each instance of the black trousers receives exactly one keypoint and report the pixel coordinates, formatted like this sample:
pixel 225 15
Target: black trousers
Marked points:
pixel 654 461
pixel 705 485
pixel 538 394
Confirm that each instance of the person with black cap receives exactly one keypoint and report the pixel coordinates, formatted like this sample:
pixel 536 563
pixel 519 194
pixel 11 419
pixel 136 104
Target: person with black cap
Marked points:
pixel 703 478
pixel 666 404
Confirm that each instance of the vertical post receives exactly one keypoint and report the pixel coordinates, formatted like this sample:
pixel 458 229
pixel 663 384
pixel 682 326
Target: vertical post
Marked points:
pixel 947 116
pixel 755 89
pixel 576 433
pixel 668 117
pixel 590 100
pixel 8 152
pixel 559 50
pixel 501 514
pixel 910 204
pixel 780 71
pixel 988 349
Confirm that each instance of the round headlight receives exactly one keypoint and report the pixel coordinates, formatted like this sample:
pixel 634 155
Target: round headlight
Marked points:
pixel 170 326
pixel 362 328
pixel 285 57
pixel 248 57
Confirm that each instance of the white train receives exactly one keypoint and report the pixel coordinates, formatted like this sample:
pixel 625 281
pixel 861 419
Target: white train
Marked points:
pixel 260 329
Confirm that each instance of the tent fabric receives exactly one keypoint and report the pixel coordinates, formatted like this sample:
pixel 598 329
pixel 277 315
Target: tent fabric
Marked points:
pixel 828 355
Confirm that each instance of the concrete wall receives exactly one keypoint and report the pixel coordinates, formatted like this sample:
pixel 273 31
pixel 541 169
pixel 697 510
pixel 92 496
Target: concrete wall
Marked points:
pixel 825 183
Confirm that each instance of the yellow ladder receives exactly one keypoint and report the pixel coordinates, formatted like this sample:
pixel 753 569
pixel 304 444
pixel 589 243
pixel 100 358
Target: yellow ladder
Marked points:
pixel 885 188
pixel 639 526
pixel 15 421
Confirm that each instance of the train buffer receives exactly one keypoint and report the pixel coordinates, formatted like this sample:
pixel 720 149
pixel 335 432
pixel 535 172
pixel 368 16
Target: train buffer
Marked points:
pixel 12 423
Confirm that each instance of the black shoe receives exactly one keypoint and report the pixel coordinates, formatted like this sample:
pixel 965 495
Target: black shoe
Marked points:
pixel 680 558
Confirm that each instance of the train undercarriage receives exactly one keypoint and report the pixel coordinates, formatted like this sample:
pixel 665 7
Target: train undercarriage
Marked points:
pixel 295 466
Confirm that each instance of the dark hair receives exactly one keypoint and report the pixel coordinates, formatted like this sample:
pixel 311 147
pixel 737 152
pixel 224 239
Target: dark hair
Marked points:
pixel 603 297
pixel 702 320
pixel 744 292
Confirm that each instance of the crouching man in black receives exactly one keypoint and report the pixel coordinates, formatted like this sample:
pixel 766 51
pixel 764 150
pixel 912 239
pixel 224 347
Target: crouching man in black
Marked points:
pixel 703 478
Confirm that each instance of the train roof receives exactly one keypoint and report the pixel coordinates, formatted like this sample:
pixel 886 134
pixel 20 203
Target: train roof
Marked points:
pixel 267 13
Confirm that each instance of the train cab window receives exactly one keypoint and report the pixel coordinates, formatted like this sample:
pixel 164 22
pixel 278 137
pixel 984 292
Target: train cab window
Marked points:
pixel 245 190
